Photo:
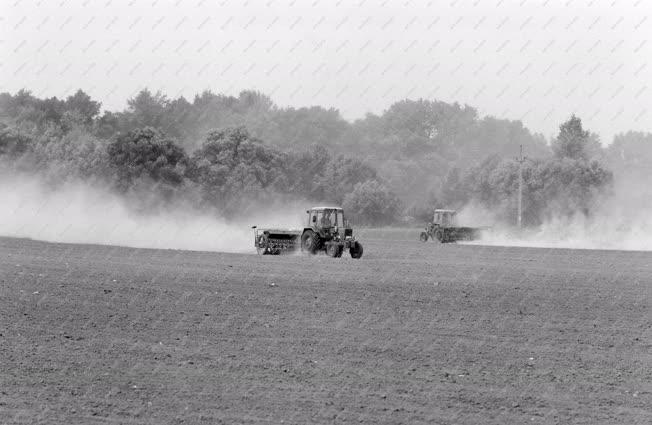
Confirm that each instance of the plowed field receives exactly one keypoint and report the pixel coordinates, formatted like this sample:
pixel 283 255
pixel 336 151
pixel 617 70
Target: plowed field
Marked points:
pixel 411 333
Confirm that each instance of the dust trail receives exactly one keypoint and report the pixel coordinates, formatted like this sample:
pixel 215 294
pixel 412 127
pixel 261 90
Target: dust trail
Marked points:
pixel 578 232
pixel 79 213
pixel 621 221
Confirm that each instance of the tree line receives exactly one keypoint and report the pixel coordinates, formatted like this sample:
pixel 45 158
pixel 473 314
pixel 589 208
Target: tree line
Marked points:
pixel 231 171
pixel 235 153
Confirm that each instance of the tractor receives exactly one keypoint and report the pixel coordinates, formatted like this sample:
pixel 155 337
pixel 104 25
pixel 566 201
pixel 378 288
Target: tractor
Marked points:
pixel 444 229
pixel 326 230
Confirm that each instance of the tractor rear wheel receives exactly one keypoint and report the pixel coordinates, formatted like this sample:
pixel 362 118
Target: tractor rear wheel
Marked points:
pixel 423 237
pixel 439 235
pixel 356 250
pixel 310 242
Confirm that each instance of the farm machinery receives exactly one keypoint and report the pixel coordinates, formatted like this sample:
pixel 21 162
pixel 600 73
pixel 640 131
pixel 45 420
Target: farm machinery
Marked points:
pixel 444 229
pixel 327 230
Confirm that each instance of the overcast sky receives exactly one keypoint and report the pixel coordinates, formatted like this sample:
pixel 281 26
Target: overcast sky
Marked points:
pixel 537 61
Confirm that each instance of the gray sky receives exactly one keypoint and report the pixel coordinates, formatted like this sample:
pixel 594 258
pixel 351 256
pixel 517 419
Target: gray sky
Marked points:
pixel 537 61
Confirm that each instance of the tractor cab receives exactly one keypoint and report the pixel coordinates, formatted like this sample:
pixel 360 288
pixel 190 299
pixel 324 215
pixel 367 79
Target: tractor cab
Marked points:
pixel 445 218
pixel 326 220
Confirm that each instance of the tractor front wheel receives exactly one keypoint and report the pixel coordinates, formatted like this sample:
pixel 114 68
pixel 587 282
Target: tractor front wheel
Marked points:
pixel 439 235
pixel 356 250
pixel 334 250
pixel 423 237
pixel 309 242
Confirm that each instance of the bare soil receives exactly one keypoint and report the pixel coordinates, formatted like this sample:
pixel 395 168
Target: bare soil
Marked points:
pixel 411 333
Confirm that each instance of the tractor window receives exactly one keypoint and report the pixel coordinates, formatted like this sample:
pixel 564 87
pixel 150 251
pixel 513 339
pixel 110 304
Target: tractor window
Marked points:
pixel 339 218
pixel 329 218
pixel 448 219
pixel 315 216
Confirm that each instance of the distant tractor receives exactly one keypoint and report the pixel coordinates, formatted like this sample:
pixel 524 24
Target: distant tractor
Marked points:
pixel 327 230
pixel 444 229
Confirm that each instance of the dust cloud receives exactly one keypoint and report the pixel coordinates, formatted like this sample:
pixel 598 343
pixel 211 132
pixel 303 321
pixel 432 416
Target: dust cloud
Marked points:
pixel 621 221
pixel 79 213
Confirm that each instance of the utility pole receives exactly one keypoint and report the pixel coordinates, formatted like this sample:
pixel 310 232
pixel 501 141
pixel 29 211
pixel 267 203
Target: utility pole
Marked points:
pixel 520 160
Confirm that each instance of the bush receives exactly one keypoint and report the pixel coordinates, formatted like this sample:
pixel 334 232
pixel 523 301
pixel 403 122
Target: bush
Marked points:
pixel 146 154
pixel 372 204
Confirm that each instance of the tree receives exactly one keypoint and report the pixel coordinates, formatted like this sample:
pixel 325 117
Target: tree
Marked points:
pixel 147 109
pixel 306 171
pixel 146 154
pixel 252 100
pixel 291 128
pixel 493 136
pixel 630 151
pixel 572 140
pixel 108 125
pixel 233 168
pixel 453 192
pixel 342 175
pixel 371 203
pixel 180 118
pixel 83 105
pixel 13 142
pixel 70 155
